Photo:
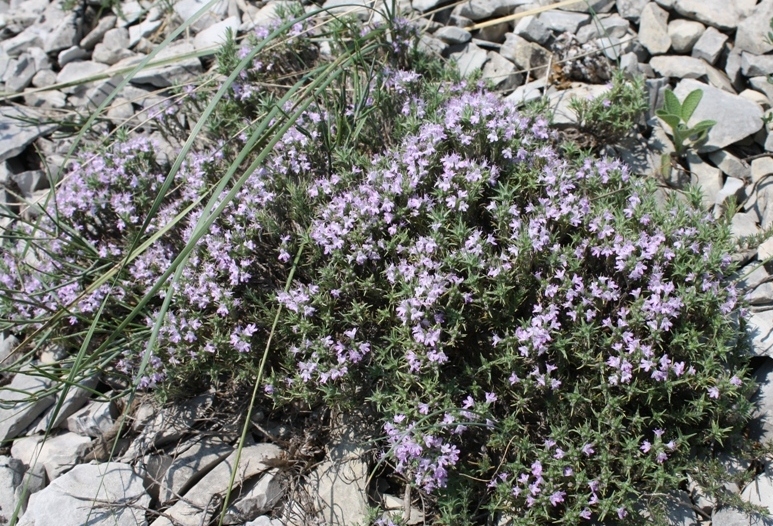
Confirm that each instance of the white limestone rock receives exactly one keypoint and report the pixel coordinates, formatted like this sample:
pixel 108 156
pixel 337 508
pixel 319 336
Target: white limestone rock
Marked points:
pixel 684 34
pixel 753 30
pixel 718 13
pixel 654 30
pixel 710 45
pixel 19 407
pixel 215 35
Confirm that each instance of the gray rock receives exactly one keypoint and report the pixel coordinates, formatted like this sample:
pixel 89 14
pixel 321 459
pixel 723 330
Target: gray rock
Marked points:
pixel 762 295
pixel 678 66
pixel 8 344
pixel 597 6
pixel 11 474
pixel 760 329
pixel 718 79
pixel 113 48
pixel 736 117
pixel 501 72
pixel 431 45
pixel 77 395
pixel 71 54
pixel 760 168
pixel 482 9
pixel 560 101
pixel 530 28
pixel 79 71
pixel 215 35
pixel 34 480
pixel 182 70
pixel 358 8
pixel 31 37
pixel 66 34
pixel 528 56
pixel 765 250
pixel 753 30
pixel 265 521
pixel 470 60
pixel 120 111
pixel 494 33
pixel 756 65
pixel 707 177
pixel 266 16
pixel 167 425
pixel 94 36
pixel 339 485
pixel 761 84
pixel 527 92
pixel 144 29
pixel 710 45
pixel 120 491
pixel 57 454
pixel 731 517
pixel 215 483
pixel 19 409
pixel 654 30
pixel 20 74
pixel 732 190
pixel 758 98
pixel 186 9
pixel 256 498
pixel 745 225
pixel 610 26
pixel 396 505
pixel 191 461
pixel 94 420
pixel 562 22
pixel 631 9
pixel 40 58
pixel 717 13
pixel 760 491
pixel 751 276
pixel 684 34
pixel 452 35
pixel 731 165
pixel 129 12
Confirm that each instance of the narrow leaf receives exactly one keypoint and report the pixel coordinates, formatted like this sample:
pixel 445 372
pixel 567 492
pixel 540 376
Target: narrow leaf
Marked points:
pixel 691 103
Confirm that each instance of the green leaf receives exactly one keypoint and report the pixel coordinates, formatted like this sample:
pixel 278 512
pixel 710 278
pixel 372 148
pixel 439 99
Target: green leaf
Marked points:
pixel 671 103
pixel 665 166
pixel 670 119
pixel 701 127
pixel 690 103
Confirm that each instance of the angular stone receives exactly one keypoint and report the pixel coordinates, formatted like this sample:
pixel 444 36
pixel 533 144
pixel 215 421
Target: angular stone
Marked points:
pixel 710 45
pixel 215 35
pixel 71 54
pixel 526 55
pixel 762 295
pixel 120 111
pixel 736 117
pixel 94 420
pixel 733 189
pixel 758 98
pixel 479 9
pixel 182 70
pixel 745 225
pixel 760 329
pixel 494 33
pixel 562 22
pixel 731 165
pixel 707 177
pixel 501 72
pixel 610 26
pixel 717 13
pixel 527 92
pixel 20 75
pixel 257 498
pixel 684 34
pixel 119 489
pixel 79 71
pixel 597 6
pixel 191 461
pixel 18 408
pixel 760 168
pixel 760 491
pixel 65 35
pixel 735 517
pixel 187 9
pixel 679 67
pixel 452 35
pixel 145 29
pixel 94 36
pixel 57 454
pixel 631 9
pixel 34 480
pixel 130 11
pixel 32 36
pixel 77 397
pixel 654 29
pixel 753 30
pixel 470 60
pixel 215 483
pixel 532 29
pixel 11 474
pixel 560 101
pixel 756 65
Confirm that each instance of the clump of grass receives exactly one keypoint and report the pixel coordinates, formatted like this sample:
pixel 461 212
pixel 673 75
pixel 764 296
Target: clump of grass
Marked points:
pixel 533 334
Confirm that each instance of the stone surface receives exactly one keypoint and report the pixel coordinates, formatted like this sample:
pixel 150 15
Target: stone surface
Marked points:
pixel 709 46
pixel 678 67
pixel 72 54
pixel 528 56
pixel 753 30
pixel 760 168
pixel 532 29
pixel 452 35
pixel 258 498
pixel 501 72
pixel 77 396
pixel 57 454
pixel 182 70
pixel 189 463
pixel 562 22
pixel 654 30
pixel 598 6
pixel 731 165
pixel 19 76
pixel 760 491
pixel 560 102
pixel 79 71
pixel 18 409
pixel 762 295
pixel 755 65
pixel 630 9
pixel 611 26
pixel 142 30
pixel 470 60
pixel 215 483
pixel 215 35
pixel 94 36
pixel 94 420
pixel 64 35
pixel 736 117
pixel 684 34
pixel 707 177
pixel 11 475
pixel 717 13
pixel 760 330
pixel 744 225
pixel 186 10
pixel 62 502
pixel 527 92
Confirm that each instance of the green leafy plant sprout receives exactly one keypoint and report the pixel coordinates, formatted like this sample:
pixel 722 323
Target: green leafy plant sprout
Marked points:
pixel 677 115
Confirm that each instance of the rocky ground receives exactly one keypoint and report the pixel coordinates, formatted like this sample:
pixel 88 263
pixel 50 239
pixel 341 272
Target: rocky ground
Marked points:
pixel 172 465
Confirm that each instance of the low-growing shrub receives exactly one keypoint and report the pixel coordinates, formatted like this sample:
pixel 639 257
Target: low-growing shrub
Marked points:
pixel 534 334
